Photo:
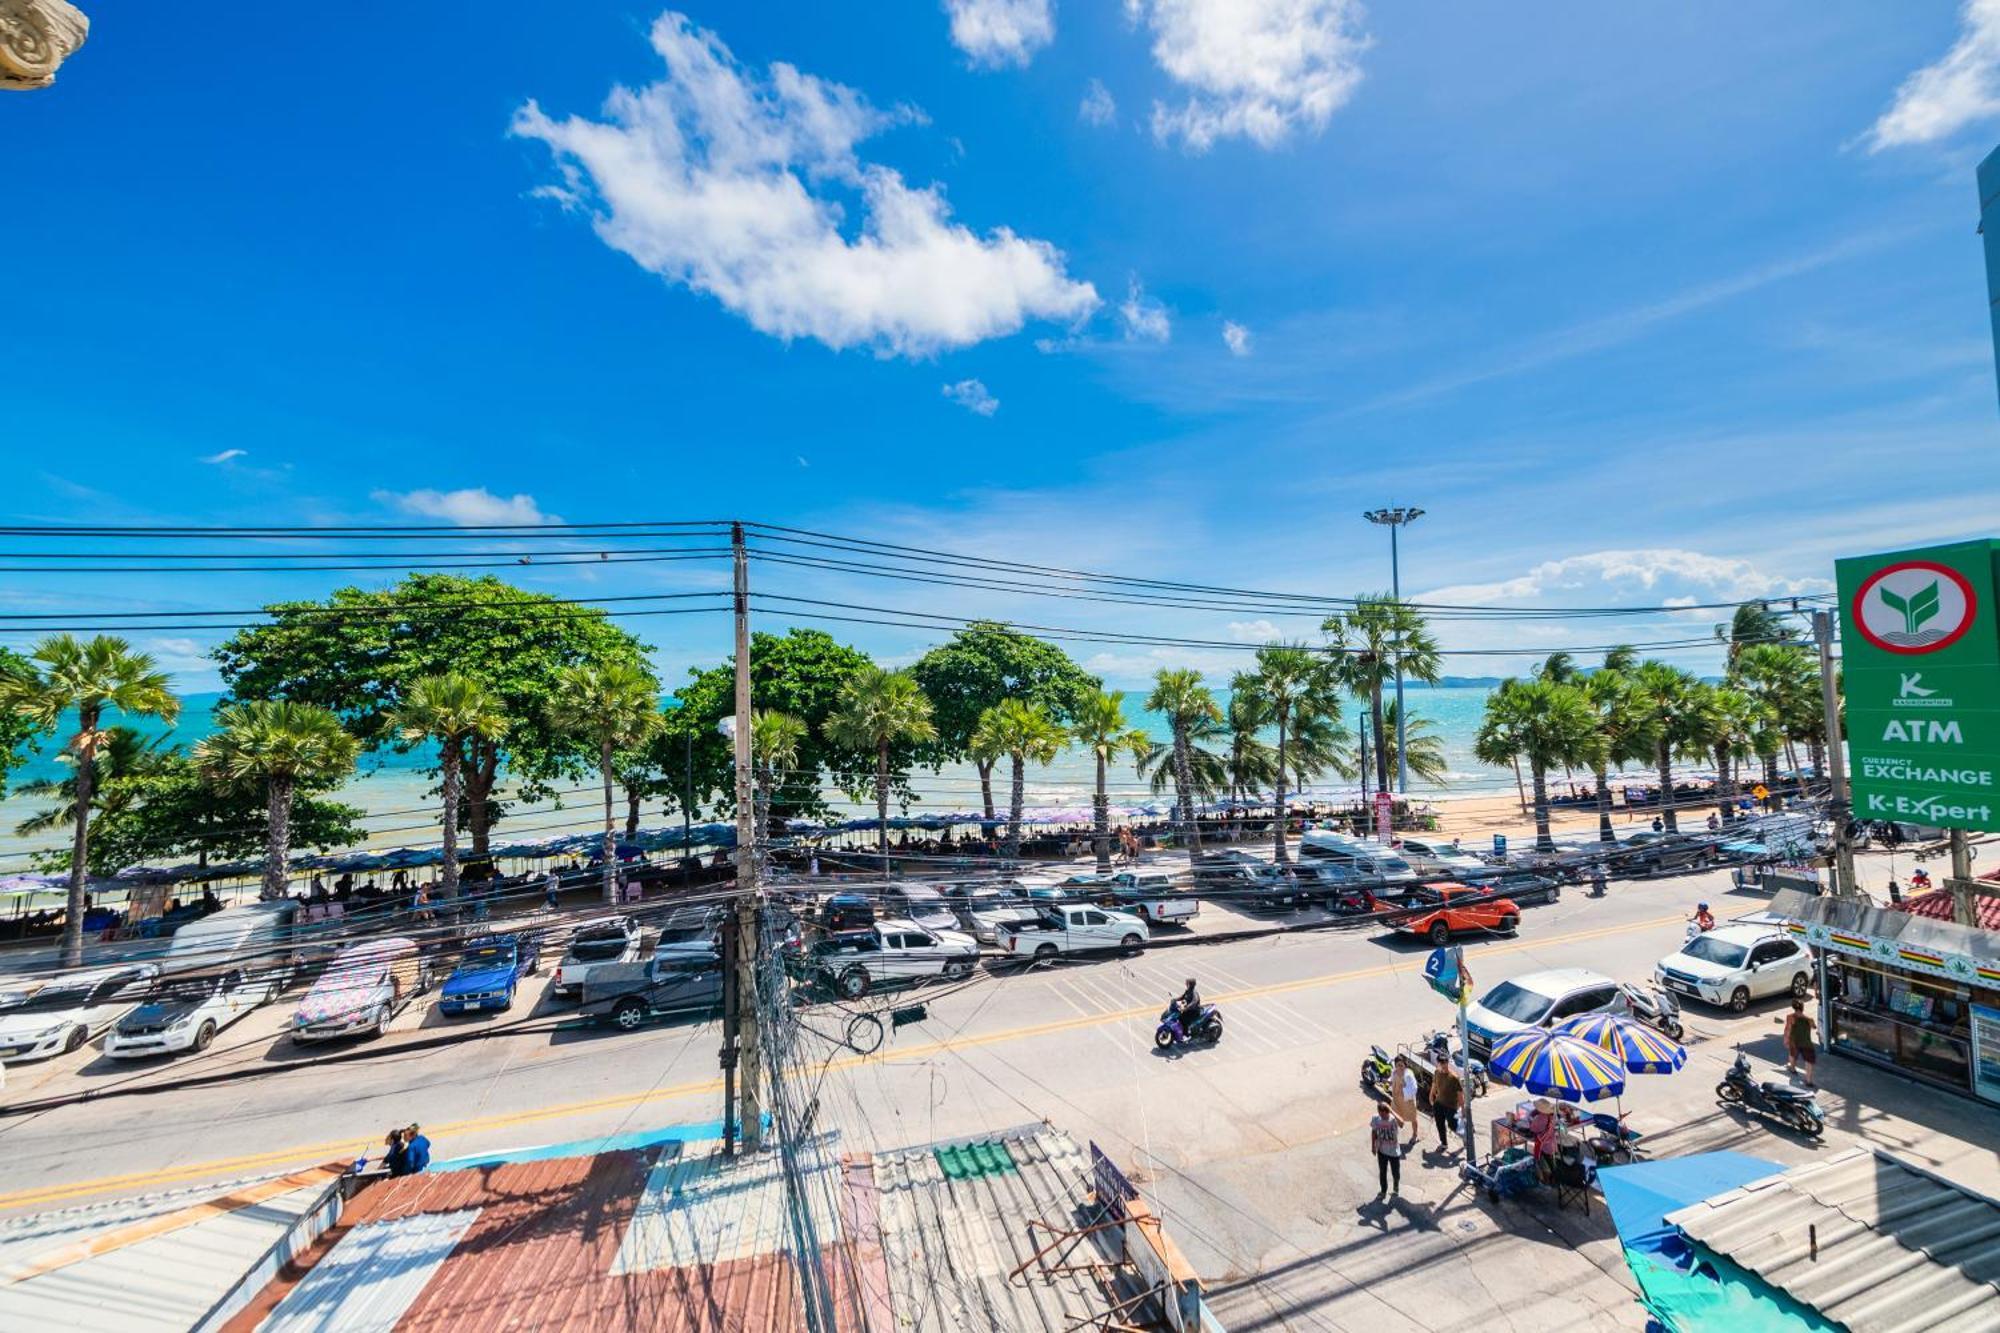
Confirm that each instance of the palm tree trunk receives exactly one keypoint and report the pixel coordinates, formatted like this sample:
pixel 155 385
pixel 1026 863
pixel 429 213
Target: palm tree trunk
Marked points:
pixel 1184 779
pixel 277 836
pixel 1017 802
pixel 1381 739
pixel 1725 790
pixel 1667 787
pixel 1100 811
pixel 632 812
pixel 1791 755
pixel 1543 842
pixel 882 805
pixel 985 767
pixel 1278 827
pixel 1771 780
pixel 1817 748
pixel 449 756
pixel 85 747
pixel 1603 776
pixel 610 833
pixel 485 768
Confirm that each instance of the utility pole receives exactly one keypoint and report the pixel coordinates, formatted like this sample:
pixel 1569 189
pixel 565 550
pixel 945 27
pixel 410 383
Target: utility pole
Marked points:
pixel 1394 519
pixel 731 1028
pixel 1836 762
pixel 749 936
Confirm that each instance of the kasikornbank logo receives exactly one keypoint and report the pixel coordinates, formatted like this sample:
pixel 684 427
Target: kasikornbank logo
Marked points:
pixel 1916 606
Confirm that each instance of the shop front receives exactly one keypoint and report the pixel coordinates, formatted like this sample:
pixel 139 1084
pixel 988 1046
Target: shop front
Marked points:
pixel 1918 996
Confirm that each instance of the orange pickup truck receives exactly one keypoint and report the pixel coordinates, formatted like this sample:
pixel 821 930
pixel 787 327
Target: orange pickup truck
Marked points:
pixel 1440 911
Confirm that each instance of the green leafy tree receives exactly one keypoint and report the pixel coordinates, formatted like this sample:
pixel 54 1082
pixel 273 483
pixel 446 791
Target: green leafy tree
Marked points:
pixel 1668 701
pixel 800 673
pixel 1100 726
pixel 880 710
pixel 461 715
pixel 606 709
pixel 1249 764
pixel 978 667
pixel 1373 639
pixel 360 651
pixel 1783 679
pixel 126 753
pixel 1726 726
pixel 1624 728
pixel 89 678
pixel 1753 624
pixel 276 746
pixel 1191 713
pixel 1426 749
pixel 775 739
pixel 17 731
pixel 1024 732
pixel 1547 724
pixel 1296 686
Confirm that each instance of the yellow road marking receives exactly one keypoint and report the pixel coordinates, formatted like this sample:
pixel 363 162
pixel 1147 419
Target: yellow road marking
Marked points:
pixel 336 1149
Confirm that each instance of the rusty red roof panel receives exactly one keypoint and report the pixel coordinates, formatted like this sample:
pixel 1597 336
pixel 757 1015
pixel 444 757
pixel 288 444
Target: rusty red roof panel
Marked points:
pixel 1937 906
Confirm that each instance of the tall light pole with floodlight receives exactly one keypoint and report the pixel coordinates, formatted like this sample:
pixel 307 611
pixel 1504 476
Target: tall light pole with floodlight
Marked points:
pixel 1393 519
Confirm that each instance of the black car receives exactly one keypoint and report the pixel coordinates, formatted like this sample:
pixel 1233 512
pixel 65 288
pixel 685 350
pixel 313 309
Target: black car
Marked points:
pixel 1649 853
pixel 1524 888
pixel 847 911
pixel 630 995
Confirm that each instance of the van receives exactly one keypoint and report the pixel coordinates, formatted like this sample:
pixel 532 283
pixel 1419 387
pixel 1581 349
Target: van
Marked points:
pixel 258 937
pixel 362 989
pixel 920 903
pixel 1370 860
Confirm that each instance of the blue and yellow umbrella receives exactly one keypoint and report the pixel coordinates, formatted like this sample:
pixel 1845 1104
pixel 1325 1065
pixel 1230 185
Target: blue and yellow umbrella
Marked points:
pixel 1551 1064
pixel 1640 1049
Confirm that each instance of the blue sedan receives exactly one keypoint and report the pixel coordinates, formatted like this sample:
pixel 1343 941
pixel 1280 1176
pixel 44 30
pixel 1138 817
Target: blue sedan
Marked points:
pixel 489 973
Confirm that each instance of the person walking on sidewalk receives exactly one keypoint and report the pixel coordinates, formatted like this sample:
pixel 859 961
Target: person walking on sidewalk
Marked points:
pixel 1446 1093
pixel 1385 1137
pixel 1403 1095
pixel 1799 1047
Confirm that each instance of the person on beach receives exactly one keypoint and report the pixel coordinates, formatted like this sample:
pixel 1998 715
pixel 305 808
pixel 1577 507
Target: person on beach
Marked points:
pixel 1403 1095
pixel 1799 1047
pixel 1385 1138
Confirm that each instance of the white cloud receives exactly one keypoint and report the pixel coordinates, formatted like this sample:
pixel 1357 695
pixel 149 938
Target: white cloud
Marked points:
pixel 993 33
pixel 973 397
pixel 1256 68
pixel 225 456
pixel 1254 631
pixel 1617 575
pixel 732 184
pixel 1098 107
pixel 1237 337
pixel 1144 317
pixel 1943 98
pixel 472 507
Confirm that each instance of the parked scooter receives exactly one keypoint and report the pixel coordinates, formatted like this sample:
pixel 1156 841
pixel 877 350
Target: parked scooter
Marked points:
pixel 1796 1107
pixel 1207 1027
pixel 1660 1008
pixel 1376 1066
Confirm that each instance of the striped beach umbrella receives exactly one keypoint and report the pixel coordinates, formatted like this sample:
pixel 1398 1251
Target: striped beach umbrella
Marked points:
pixel 1550 1064
pixel 1639 1048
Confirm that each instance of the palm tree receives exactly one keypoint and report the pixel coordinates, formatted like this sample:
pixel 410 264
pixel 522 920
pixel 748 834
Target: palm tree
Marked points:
pixel 1373 639
pixel 1753 624
pixel 1559 667
pixel 1249 761
pixel 125 753
pixel 611 707
pixel 878 710
pixel 1727 724
pixel 1101 727
pixel 1667 702
pixel 1021 731
pixel 1426 758
pixel 1295 685
pixel 774 752
pixel 1622 728
pixel 90 677
pixel 451 709
pixel 284 746
pixel 1545 723
pixel 1188 706
pixel 984 756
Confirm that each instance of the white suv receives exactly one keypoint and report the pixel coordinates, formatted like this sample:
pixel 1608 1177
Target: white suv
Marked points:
pixel 1733 965
pixel 1539 999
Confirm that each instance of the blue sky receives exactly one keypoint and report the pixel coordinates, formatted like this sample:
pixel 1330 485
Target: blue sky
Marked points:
pixel 1641 303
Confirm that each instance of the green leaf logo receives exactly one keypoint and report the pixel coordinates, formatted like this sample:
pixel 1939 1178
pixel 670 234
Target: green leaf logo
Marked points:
pixel 1916 608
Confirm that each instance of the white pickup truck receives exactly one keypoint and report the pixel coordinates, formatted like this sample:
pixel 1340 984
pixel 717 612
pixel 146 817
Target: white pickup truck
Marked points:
pixel 895 950
pixel 1074 929
pixel 1148 895
pixel 606 940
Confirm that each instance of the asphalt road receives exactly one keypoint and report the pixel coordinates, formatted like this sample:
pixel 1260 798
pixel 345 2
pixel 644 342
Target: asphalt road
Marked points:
pixel 1069 1043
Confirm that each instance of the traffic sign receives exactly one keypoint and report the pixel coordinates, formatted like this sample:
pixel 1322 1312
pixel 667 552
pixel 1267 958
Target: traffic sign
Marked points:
pixel 1920 659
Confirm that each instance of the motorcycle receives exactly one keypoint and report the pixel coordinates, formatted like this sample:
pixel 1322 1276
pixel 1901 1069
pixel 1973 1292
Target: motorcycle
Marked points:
pixel 1796 1107
pixel 1207 1026
pixel 1437 1048
pixel 1657 1007
pixel 1376 1066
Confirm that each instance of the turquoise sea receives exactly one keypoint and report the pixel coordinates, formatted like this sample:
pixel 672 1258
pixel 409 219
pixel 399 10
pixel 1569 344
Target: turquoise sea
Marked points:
pixel 395 791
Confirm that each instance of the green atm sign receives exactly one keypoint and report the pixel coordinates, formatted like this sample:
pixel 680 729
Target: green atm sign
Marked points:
pixel 1920 654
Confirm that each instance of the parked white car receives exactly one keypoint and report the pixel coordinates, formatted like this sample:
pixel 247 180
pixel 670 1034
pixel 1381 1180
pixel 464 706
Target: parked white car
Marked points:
pixel 895 950
pixel 61 1015
pixel 1735 964
pixel 187 1012
pixel 1539 999
pixel 1075 929
pixel 610 940
pixel 1437 856
pixel 985 910
pixel 921 903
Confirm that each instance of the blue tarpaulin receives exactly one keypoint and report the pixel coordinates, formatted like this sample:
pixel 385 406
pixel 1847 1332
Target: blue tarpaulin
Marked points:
pixel 1642 1194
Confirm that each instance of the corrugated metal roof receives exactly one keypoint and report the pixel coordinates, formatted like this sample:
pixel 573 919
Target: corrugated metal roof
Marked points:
pixel 70 1270
pixel 955 1223
pixel 1939 905
pixel 1899 1250
pixel 372 1276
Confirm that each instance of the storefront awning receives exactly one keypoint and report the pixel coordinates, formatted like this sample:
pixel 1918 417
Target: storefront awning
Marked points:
pixel 1965 954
